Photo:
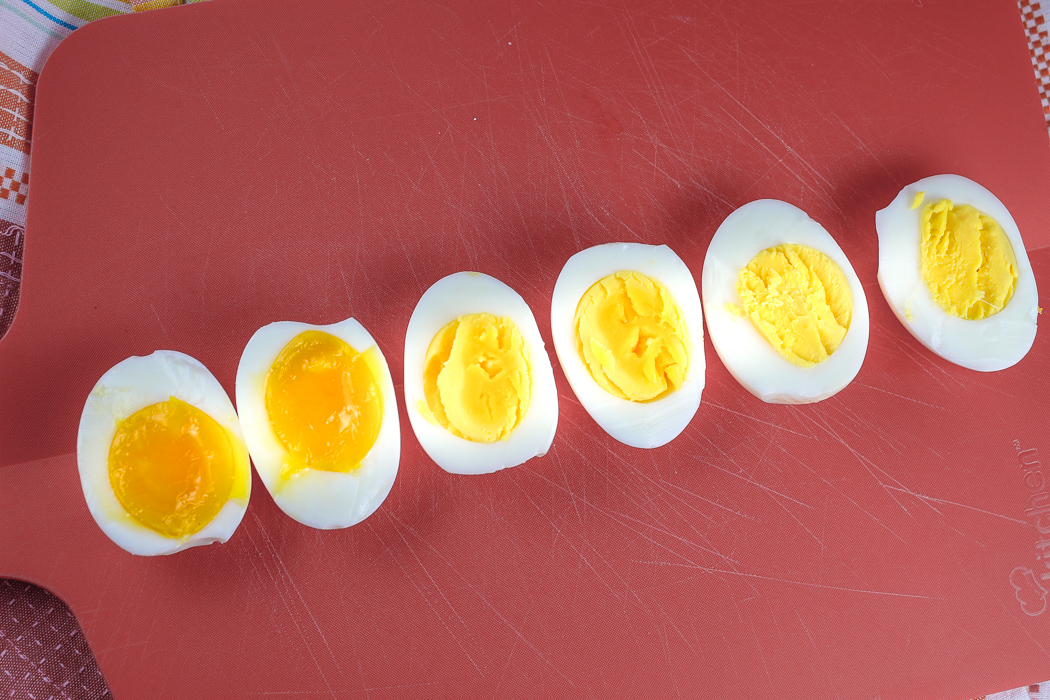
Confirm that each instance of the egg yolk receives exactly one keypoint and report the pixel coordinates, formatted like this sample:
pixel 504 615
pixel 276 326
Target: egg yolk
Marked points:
pixel 798 299
pixel 476 377
pixel 631 336
pixel 172 467
pixel 966 260
pixel 324 403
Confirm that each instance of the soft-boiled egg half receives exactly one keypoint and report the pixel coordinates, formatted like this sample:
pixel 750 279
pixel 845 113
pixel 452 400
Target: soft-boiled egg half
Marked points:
pixel 320 419
pixel 479 388
pixel 628 328
pixel 785 310
pixel 955 271
pixel 161 456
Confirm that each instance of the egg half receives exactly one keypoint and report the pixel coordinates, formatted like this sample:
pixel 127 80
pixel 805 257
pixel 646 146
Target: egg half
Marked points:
pixel 479 388
pixel 786 312
pixel 955 271
pixel 161 456
pixel 320 418
pixel 627 326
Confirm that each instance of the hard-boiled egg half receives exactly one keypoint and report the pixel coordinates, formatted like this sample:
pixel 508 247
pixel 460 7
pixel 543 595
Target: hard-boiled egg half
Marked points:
pixel 785 310
pixel 161 456
pixel 955 271
pixel 479 388
pixel 320 419
pixel 628 328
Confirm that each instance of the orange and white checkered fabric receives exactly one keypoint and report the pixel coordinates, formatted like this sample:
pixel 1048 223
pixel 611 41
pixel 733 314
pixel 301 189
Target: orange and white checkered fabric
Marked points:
pixel 1034 17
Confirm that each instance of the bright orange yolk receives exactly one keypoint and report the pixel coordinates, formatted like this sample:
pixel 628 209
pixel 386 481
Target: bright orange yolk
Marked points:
pixel 172 467
pixel 323 403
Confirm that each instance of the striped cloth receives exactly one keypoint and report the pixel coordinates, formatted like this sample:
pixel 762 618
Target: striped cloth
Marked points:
pixel 43 654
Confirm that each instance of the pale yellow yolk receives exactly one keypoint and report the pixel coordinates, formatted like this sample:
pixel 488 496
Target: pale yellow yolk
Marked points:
pixel 476 377
pixel 966 260
pixel 799 300
pixel 631 336
pixel 173 467
pixel 324 403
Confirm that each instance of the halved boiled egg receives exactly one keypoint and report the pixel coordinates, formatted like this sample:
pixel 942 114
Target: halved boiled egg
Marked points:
pixel 955 271
pixel 320 419
pixel 161 456
pixel 786 312
pixel 628 328
pixel 479 388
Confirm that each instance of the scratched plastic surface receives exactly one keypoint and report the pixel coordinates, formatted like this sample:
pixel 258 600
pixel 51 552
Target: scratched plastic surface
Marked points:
pixel 203 171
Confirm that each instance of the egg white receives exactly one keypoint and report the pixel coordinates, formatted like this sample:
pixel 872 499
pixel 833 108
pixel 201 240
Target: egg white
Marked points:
pixel 637 424
pixel 447 299
pixel 317 498
pixel 986 345
pixel 747 355
pixel 125 389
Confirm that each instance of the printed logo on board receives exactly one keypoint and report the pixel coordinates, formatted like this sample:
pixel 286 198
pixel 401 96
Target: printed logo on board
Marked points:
pixel 1032 584
pixel 1029 593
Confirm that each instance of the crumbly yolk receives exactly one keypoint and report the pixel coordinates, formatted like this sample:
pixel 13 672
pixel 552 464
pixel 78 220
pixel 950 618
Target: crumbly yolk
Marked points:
pixel 323 403
pixel 632 337
pixel 476 377
pixel 798 299
pixel 173 467
pixel 966 260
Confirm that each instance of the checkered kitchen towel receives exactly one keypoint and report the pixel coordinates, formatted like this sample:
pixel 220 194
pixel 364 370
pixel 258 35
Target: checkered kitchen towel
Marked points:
pixel 42 652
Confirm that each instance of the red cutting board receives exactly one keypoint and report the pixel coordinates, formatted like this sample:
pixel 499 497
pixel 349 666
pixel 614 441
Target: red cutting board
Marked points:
pixel 203 171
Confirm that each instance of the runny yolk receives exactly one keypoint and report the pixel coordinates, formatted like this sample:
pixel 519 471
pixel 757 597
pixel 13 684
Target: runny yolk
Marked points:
pixel 966 260
pixel 798 299
pixel 172 467
pixel 476 377
pixel 323 403
pixel 631 336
